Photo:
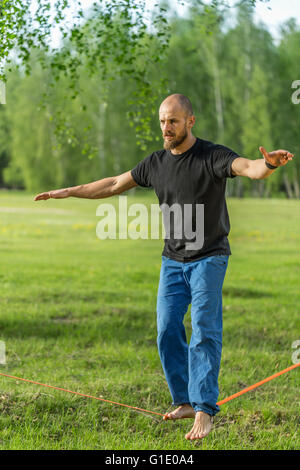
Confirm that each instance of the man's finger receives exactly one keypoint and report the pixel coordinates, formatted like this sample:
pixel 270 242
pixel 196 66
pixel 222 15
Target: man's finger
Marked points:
pixel 286 153
pixel 263 151
pixel 287 156
pixel 42 196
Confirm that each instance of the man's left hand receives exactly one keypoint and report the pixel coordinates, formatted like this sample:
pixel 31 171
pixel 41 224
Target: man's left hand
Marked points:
pixel 278 157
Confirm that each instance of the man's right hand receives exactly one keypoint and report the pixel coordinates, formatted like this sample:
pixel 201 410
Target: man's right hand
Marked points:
pixel 106 187
pixel 57 194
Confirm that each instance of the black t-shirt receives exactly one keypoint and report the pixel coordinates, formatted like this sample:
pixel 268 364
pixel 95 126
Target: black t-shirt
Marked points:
pixel 196 178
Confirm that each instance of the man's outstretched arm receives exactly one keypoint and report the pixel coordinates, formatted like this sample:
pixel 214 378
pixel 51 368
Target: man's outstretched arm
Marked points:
pixel 100 189
pixel 258 169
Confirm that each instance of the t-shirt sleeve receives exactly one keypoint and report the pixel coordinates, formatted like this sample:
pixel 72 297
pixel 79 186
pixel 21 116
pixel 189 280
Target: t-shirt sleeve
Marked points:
pixel 222 158
pixel 142 172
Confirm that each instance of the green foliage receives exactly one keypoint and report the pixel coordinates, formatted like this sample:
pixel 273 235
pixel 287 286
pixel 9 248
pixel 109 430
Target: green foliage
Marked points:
pixel 89 108
pixel 111 41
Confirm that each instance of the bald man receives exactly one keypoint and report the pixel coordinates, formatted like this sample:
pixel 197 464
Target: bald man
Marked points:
pixel 188 171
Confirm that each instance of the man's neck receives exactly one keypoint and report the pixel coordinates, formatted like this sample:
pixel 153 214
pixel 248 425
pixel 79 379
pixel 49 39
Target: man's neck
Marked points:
pixel 187 144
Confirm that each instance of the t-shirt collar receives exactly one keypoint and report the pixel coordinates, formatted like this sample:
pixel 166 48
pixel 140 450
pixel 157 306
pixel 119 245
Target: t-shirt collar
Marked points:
pixel 178 155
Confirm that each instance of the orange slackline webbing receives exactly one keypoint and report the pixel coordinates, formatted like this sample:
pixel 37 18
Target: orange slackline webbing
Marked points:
pixel 231 397
pixel 247 389
pixel 81 394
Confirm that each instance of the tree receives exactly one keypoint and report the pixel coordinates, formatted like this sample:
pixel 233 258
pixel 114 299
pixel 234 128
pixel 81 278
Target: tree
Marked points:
pixel 257 122
pixel 120 44
pixel 223 70
pixel 288 113
pixel 4 140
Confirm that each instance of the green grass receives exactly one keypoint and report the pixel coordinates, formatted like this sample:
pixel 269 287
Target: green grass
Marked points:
pixel 79 313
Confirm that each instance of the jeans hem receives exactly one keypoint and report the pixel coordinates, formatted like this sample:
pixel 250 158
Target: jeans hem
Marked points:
pixel 206 410
pixel 180 403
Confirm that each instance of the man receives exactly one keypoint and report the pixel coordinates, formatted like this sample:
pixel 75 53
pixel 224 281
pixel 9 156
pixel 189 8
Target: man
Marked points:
pixel 191 171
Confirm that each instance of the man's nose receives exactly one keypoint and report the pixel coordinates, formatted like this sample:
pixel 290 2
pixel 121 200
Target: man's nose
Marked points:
pixel 167 127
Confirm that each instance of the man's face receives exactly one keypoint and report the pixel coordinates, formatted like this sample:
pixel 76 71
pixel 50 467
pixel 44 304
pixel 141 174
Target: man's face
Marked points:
pixel 174 124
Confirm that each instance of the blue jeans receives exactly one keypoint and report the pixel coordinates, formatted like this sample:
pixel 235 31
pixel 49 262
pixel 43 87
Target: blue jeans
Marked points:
pixel 191 370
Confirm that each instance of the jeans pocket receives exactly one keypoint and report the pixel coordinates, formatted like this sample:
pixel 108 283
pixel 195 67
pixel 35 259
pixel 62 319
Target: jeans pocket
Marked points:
pixel 221 259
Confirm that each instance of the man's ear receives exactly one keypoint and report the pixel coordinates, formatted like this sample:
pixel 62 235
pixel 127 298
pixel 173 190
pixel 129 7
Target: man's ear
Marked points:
pixel 191 121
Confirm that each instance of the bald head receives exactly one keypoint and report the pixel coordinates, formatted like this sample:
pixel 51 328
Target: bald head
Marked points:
pixel 178 101
pixel 176 121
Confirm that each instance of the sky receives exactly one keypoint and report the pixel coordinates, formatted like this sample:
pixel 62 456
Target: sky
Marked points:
pixel 272 13
pixel 276 12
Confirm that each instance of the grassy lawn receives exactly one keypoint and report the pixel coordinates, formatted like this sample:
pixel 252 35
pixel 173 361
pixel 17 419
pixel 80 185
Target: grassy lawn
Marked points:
pixel 79 313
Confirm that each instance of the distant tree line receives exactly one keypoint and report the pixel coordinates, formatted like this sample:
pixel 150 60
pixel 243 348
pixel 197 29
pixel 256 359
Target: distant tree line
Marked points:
pixel 237 77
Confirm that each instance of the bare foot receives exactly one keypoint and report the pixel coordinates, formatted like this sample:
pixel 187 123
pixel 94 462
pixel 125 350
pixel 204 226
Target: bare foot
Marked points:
pixel 183 411
pixel 201 427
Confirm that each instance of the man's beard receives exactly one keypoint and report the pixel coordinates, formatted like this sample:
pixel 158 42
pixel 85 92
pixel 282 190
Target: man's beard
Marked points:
pixel 169 145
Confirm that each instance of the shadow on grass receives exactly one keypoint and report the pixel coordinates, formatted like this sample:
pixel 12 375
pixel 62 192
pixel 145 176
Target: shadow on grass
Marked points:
pixel 65 297
pixel 245 293
pixel 98 326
